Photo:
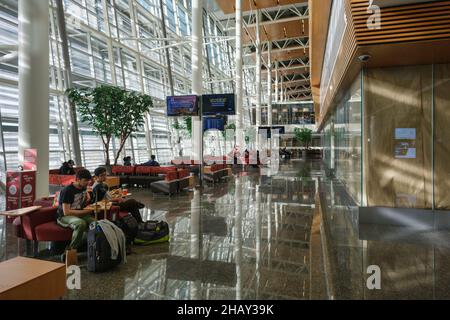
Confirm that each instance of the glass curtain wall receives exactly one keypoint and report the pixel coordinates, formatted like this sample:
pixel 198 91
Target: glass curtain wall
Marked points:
pixel 116 42
pixel 342 141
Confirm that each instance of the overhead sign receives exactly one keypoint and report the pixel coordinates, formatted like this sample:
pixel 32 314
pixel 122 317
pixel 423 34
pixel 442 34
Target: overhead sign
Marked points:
pixel 218 104
pixel 182 106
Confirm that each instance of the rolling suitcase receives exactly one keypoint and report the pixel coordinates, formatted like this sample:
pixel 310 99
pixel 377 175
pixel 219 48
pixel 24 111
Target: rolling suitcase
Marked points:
pixel 99 250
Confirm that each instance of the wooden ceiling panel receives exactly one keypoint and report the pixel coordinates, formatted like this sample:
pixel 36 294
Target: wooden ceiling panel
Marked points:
pixel 319 11
pixel 228 6
pixel 409 35
pixel 278 30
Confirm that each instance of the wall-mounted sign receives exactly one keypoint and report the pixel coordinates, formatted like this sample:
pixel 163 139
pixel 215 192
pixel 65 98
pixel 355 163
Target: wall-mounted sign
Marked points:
pixel 405 133
pixel 405 143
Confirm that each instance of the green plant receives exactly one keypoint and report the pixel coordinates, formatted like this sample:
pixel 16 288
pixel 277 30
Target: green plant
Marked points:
pixel 111 112
pixel 303 135
pixel 188 124
pixel 132 117
pixel 185 126
pixel 176 125
pixel 230 126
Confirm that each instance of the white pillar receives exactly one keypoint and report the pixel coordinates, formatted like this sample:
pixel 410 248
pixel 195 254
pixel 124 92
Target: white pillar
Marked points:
pixel 238 236
pixel 239 76
pixel 258 71
pixel 258 240
pixel 148 133
pixel 34 86
pixel 269 229
pixel 277 96
pixel 281 90
pixel 111 59
pixel 195 286
pixel 197 78
pixel 269 83
pixel 332 146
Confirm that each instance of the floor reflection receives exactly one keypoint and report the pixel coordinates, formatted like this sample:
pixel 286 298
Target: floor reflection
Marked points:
pixel 266 237
pixel 246 238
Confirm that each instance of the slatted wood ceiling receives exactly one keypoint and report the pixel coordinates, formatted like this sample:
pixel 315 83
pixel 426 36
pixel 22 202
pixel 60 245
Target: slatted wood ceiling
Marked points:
pixel 408 24
pixel 425 21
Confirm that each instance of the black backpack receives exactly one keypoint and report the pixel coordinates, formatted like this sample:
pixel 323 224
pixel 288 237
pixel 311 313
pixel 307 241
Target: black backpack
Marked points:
pixel 129 226
pixel 99 250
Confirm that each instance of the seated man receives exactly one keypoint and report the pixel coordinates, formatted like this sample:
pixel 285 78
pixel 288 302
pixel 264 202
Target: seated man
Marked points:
pixel 66 169
pixel 152 162
pixel 285 153
pixel 71 213
pixel 127 161
pixel 100 191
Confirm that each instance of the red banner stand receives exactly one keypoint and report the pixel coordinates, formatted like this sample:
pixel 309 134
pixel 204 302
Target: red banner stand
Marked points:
pixel 28 188
pixel 13 181
pixel 20 189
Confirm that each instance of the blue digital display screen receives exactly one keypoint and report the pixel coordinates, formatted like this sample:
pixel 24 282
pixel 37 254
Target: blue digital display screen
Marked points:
pixel 214 123
pixel 182 106
pixel 218 104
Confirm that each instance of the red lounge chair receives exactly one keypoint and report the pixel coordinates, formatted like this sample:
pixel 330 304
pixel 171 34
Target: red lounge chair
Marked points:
pixel 41 225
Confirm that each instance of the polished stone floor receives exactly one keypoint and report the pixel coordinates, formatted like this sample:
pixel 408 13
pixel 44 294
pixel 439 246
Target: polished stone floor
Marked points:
pixel 287 234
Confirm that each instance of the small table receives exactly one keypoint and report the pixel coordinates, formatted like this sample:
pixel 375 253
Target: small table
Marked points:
pixel 16 213
pixel 32 279
pixel 19 212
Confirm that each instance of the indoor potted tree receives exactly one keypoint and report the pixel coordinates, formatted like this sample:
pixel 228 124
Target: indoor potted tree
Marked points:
pixel 110 112
pixel 135 106
pixel 304 136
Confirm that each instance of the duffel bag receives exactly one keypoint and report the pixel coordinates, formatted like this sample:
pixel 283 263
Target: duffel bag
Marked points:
pixel 151 232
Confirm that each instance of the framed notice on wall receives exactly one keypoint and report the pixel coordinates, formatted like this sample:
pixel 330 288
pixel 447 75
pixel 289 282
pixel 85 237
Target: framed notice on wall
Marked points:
pixel 405 143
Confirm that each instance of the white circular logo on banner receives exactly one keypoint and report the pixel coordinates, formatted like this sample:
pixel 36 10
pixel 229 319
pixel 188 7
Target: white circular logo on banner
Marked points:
pixel 12 190
pixel 27 188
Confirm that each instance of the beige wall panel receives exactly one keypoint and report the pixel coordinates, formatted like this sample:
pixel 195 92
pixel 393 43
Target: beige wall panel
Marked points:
pixel 397 98
pixel 442 136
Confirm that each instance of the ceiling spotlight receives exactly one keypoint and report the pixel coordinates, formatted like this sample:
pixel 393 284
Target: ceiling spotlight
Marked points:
pixel 364 57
